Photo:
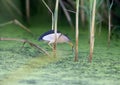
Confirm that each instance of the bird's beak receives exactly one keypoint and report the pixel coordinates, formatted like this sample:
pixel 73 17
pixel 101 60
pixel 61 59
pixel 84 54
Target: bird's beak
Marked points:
pixel 71 44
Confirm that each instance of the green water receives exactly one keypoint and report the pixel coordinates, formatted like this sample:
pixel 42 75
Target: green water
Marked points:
pixel 28 66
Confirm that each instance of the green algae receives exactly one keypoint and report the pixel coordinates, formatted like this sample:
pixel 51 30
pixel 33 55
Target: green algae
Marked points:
pixel 28 66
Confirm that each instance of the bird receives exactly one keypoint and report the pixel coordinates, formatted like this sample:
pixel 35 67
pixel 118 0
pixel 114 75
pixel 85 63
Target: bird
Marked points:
pixel 49 37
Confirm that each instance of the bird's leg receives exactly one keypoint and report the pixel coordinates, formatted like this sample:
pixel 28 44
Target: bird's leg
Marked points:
pixel 50 45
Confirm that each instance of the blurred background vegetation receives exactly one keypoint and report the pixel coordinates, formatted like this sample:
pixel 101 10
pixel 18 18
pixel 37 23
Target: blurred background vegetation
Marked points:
pixel 37 13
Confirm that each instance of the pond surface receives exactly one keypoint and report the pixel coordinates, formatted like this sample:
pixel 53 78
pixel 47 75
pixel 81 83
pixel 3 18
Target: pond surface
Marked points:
pixel 28 66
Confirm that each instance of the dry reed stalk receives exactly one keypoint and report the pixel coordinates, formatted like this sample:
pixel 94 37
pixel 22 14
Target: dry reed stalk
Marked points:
pixel 77 29
pixel 50 12
pixel 28 10
pixel 15 21
pixel 66 13
pixel 109 22
pixel 10 2
pixel 56 20
pixel 82 13
pixel 92 29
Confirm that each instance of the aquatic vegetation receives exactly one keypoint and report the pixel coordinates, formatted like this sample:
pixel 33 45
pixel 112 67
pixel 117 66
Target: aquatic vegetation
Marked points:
pixel 29 66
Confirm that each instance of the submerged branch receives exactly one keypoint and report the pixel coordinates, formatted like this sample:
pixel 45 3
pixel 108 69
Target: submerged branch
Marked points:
pixel 24 41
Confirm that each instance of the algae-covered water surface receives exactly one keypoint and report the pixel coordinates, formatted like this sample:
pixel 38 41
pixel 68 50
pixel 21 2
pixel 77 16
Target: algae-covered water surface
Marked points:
pixel 28 66
pixel 23 59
